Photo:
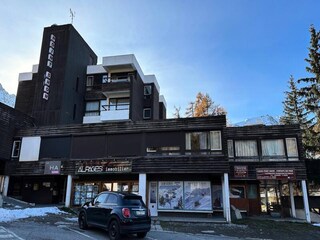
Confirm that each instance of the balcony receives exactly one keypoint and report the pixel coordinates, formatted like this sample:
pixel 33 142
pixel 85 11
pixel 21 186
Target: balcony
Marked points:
pixel 109 112
pixel 118 111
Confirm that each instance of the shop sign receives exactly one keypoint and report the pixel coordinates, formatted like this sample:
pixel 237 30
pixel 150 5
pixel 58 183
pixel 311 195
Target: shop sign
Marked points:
pixel 93 167
pixel 275 174
pixel 52 167
pixel 240 171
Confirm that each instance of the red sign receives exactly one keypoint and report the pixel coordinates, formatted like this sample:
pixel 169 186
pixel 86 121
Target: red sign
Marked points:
pixel 275 174
pixel 240 171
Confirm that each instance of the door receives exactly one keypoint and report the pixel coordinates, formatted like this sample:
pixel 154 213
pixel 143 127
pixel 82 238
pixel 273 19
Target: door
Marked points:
pixel 153 199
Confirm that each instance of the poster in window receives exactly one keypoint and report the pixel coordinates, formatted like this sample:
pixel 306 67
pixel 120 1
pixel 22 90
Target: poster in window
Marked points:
pixel 237 192
pixel 197 196
pixel 170 195
pixel 217 197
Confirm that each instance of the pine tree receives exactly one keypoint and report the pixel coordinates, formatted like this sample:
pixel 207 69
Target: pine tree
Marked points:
pixel 190 110
pixel 310 90
pixel 294 112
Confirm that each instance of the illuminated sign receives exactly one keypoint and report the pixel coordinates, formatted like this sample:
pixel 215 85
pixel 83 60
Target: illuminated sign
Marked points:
pixel 47 75
pixel 52 167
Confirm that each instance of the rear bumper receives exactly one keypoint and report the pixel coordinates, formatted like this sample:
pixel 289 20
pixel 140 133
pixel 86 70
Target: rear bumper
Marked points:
pixel 135 228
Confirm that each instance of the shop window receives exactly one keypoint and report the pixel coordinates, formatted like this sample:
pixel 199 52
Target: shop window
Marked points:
pixel 246 150
pixel 252 191
pixel 16 149
pixel 185 196
pixel 85 192
pixel 292 149
pixel 273 149
pixel 92 108
pixel 237 192
pixel 199 141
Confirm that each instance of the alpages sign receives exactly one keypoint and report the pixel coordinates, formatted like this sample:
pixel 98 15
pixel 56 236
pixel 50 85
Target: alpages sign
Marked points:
pixel 112 166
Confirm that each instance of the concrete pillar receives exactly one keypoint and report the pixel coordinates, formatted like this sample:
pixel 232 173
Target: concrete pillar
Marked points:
pixel 68 192
pixel 143 186
pixel 227 196
pixel 305 201
pixel 293 206
pixel 6 185
pixel 223 197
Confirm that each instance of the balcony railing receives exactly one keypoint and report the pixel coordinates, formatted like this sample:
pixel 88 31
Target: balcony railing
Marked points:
pixel 116 107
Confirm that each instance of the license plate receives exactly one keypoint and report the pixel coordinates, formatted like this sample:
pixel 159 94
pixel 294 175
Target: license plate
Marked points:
pixel 140 212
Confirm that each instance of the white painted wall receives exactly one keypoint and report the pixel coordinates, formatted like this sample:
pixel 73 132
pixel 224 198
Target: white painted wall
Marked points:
pixel 30 149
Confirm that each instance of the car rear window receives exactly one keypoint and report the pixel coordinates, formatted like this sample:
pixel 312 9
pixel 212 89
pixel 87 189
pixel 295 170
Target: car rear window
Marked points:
pixel 135 201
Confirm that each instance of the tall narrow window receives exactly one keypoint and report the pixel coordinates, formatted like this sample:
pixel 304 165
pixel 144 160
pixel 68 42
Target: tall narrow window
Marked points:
pixel 215 140
pixel 16 149
pixel 147 113
pixel 89 83
pixel 104 78
pixel 147 90
pixel 292 148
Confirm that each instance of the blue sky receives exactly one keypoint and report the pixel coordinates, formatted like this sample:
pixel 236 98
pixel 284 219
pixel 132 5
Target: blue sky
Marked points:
pixel 240 52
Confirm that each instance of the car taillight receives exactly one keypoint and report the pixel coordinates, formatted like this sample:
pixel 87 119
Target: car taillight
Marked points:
pixel 126 212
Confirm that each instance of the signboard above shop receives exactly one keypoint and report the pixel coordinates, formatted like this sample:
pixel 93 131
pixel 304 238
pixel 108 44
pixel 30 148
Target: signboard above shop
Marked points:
pixel 241 171
pixel 103 166
pixel 275 174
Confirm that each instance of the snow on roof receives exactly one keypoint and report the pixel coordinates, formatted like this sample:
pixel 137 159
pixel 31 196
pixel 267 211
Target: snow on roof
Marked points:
pixel 8 215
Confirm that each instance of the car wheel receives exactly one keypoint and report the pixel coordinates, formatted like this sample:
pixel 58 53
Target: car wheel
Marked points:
pixel 114 230
pixel 82 220
pixel 141 234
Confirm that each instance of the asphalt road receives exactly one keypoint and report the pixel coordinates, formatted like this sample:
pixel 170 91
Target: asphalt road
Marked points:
pixel 41 229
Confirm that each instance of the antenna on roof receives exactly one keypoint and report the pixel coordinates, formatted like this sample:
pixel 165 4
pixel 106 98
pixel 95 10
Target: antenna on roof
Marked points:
pixel 72 15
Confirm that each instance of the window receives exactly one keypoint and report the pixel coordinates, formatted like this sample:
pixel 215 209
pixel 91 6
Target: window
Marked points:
pixel 118 104
pixel 147 90
pixel 89 82
pixel 197 141
pixel 292 148
pixel 147 113
pixel 104 78
pixel 92 108
pixel 112 199
pixel 246 148
pixel 273 149
pixel 16 149
pixel 230 149
pixel 170 150
pixel 101 199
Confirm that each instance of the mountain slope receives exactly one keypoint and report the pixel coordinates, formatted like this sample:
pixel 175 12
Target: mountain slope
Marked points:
pixel 6 98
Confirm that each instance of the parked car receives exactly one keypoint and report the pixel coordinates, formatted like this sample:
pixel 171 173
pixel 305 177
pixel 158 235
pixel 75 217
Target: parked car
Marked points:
pixel 117 212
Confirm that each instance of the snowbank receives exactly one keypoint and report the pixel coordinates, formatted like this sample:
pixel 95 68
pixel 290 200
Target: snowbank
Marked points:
pixel 7 215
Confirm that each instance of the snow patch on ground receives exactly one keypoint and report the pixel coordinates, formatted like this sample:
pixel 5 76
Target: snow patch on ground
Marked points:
pixel 12 215
pixel 72 219
pixel 316 224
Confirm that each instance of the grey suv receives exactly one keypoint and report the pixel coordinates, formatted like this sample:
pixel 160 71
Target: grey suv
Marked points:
pixel 119 213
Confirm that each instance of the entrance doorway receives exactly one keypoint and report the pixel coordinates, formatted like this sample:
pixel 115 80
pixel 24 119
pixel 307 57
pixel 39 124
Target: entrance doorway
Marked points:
pixel 270 196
